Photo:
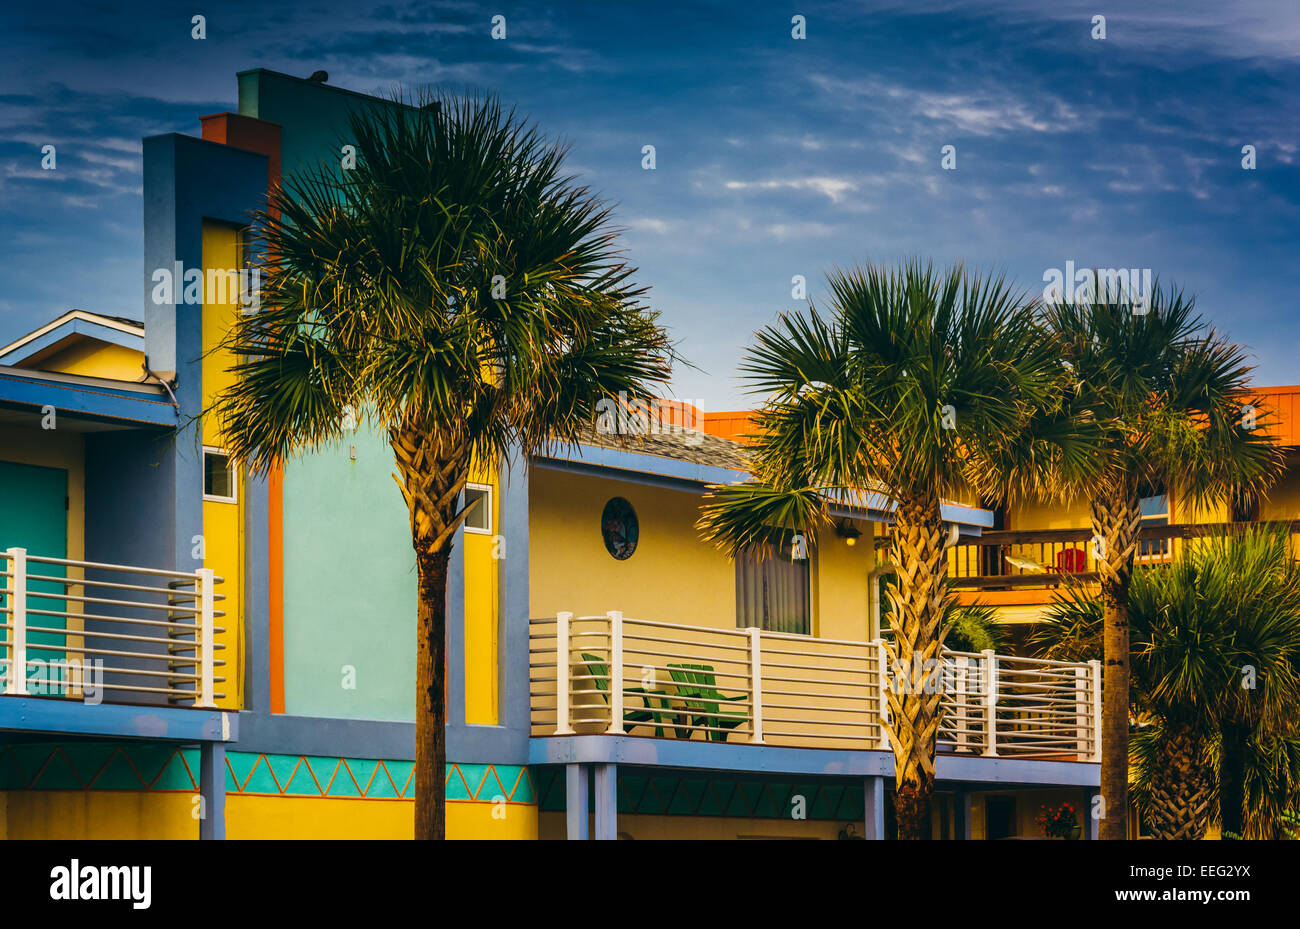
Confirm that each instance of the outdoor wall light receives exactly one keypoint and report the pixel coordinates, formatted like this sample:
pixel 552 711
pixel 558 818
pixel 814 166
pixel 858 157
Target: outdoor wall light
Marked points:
pixel 846 531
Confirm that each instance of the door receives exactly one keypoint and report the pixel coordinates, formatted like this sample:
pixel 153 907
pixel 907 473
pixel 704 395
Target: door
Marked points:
pixel 999 817
pixel 34 516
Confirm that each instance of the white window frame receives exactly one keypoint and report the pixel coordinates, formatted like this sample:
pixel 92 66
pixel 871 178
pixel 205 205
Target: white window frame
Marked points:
pixel 234 476
pixel 487 502
pixel 1152 520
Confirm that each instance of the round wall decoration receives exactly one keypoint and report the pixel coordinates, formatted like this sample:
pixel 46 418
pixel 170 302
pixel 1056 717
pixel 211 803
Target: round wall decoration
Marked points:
pixel 619 528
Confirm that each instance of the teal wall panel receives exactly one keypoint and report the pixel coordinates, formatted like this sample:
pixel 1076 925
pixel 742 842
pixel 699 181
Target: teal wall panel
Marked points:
pixel 349 570
pixel 34 516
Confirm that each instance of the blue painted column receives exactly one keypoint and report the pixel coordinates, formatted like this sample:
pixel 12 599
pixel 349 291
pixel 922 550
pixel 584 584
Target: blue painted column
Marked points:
pixel 606 791
pixel 575 800
pixel 874 808
pixel 1094 824
pixel 212 790
pixel 963 802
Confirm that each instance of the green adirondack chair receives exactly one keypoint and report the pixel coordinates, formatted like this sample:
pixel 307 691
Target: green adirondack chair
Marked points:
pixel 697 690
pixel 658 709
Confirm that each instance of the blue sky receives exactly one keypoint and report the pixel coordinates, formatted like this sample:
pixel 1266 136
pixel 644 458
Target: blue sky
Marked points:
pixel 775 156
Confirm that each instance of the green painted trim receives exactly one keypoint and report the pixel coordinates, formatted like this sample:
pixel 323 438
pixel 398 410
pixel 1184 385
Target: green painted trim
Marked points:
pixel 149 767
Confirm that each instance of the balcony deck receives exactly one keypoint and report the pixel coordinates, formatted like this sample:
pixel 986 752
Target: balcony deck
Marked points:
pixel 80 632
pixel 640 679
pixel 1037 559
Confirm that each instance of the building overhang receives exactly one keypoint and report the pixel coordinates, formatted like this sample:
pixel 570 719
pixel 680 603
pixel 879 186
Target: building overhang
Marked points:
pixel 92 400
pixel 55 716
pixel 950 769
pixel 680 474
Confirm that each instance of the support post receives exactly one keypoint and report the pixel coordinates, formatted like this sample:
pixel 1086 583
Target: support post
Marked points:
pixel 882 708
pixel 575 801
pixel 964 807
pixel 1096 709
pixel 962 675
pixel 615 673
pixel 17 682
pixel 212 790
pixel 990 702
pixel 874 808
pixel 1082 711
pixel 606 790
pixel 204 580
pixel 755 684
pixel 1094 824
pixel 562 725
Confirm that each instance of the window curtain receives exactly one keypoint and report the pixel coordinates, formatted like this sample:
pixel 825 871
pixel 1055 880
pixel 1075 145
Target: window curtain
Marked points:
pixel 772 594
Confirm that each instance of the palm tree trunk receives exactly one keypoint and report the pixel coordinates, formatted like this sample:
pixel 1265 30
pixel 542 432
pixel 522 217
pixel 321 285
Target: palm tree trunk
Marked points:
pixel 432 475
pixel 1232 785
pixel 430 691
pixel 1181 785
pixel 1115 520
pixel 919 595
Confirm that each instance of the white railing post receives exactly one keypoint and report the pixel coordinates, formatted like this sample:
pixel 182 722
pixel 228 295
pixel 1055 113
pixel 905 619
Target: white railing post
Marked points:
pixel 1096 709
pixel 615 672
pixel 1082 709
pixel 990 702
pixel 962 674
pixel 562 673
pixel 882 708
pixel 755 684
pixel 17 683
pixel 203 580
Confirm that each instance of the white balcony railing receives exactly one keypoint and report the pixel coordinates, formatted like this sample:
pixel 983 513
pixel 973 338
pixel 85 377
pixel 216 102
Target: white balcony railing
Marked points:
pixel 89 631
pixel 617 675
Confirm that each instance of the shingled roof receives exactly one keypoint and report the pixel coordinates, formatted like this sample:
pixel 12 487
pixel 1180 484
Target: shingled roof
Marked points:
pixel 680 443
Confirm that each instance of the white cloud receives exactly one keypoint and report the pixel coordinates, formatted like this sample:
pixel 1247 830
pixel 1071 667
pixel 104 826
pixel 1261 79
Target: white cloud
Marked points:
pixel 833 188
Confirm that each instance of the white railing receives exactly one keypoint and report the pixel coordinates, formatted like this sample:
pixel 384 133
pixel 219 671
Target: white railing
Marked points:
pixel 617 675
pixel 84 630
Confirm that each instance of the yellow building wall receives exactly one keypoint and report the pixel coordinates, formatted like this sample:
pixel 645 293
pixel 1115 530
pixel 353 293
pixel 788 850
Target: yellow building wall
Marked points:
pixel 671 577
pixel 92 358
pixel 100 814
pixel 223 523
pixel 842 593
pixel 482 599
pixel 262 817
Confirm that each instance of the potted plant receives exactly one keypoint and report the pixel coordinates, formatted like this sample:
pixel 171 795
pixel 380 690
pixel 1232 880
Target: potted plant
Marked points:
pixel 1059 822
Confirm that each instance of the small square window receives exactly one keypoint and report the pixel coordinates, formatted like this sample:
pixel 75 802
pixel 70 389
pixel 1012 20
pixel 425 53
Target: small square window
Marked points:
pixel 479 519
pixel 218 476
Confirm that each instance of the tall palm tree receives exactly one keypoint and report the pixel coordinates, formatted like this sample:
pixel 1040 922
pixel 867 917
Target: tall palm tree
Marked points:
pixel 1164 393
pixel 916 383
pixel 1215 638
pixel 458 291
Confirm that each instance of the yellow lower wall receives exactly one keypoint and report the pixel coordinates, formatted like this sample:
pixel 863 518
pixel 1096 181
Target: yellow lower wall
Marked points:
pixel 100 814
pixel 105 814
pixel 253 817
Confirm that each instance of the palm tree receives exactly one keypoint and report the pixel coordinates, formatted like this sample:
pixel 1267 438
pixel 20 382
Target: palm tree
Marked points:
pixel 1163 392
pixel 917 384
pixel 1216 644
pixel 458 291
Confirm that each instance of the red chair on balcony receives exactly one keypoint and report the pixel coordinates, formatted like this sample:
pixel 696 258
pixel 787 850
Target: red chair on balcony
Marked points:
pixel 1072 561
